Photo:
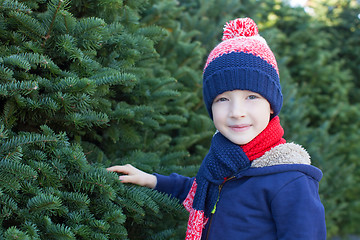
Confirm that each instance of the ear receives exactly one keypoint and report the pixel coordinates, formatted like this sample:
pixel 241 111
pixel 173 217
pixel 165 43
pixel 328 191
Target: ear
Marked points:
pixel 271 111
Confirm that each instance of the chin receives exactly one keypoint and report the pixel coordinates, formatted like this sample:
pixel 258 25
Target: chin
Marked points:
pixel 243 142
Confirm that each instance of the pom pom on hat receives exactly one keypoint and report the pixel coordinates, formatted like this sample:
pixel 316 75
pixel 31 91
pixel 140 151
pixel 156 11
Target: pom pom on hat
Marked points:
pixel 242 61
pixel 241 27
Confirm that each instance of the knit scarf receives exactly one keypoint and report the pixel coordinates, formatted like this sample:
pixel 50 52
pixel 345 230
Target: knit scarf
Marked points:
pixel 225 159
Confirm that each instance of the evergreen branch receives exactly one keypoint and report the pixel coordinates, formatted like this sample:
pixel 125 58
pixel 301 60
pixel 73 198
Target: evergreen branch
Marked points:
pixel 76 217
pixel 83 231
pixel 48 103
pixel 76 199
pixel 13 233
pixel 36 155
pixel 31 229
pixel 118 231
pixel 161 142
pixel 118 78
pixel 44 202
pixel 9 202
pixel 17 60
pixel 66 23
pixel 8 182
pixel 166 234
pixel 72 84
pixel 99 225
pixel 3 133
pixel 164 82
pixel 88 119
pixel 33 47
pixel 153 32
pixel 67 46
pixel 16 87
pixel 8 5
pixel 175 119
pixel 46 174
pixel 149 122
pixel 31 25
pixel 6 74
pixel 84 101
pixel 90 32
pixel 73 157
pixel 29 189
pixel 116 216
pixel 17 169
pixel 95 180
pixel 47 36
pixel 9 111
pixel 122 111
pixel 87 25
pixel 131 206
pixel 44 103
pixel 89 64
pixel 25 140
pixel 41 60
pixel 173 157
pixel 165 95
pixel 66 101
pixel 58 231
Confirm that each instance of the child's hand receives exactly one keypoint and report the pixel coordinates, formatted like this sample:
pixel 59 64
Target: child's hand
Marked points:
pixel 134 175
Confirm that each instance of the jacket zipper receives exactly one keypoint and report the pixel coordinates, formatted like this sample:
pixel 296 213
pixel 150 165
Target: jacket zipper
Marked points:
pixel 214 209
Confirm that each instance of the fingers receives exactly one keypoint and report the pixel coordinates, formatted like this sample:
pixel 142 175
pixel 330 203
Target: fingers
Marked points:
pixel 124 169
pixel 134 175
pixel 128 179
pixel 130 173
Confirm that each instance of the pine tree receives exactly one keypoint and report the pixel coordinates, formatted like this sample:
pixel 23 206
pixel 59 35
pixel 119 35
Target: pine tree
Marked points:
pixel 50 191
pixel 71 69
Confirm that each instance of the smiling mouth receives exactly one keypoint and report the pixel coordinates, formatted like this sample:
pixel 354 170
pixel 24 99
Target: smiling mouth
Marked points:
pixel 240 128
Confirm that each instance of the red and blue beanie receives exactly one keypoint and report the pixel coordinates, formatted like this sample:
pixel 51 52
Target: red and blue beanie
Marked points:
pixel 242 61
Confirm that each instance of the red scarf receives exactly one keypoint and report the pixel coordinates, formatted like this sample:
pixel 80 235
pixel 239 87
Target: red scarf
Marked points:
pixel 270 137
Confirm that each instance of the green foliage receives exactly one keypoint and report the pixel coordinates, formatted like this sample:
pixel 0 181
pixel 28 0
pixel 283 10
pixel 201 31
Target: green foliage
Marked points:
pixel 88 84
pixel 99 78
pixel 49 191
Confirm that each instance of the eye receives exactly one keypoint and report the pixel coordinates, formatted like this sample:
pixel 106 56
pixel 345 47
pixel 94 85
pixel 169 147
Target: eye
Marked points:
pixel 221 99
pixel 251 97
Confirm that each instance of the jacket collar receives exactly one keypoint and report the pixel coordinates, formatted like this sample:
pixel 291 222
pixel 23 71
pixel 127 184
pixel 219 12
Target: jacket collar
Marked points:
pixel 288 153
pixel 286 157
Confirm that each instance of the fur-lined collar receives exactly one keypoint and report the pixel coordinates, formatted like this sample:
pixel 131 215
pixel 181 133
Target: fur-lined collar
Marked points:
pixel 288 153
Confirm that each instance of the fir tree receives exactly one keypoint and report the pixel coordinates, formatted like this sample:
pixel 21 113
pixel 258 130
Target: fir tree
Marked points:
pixel 92 73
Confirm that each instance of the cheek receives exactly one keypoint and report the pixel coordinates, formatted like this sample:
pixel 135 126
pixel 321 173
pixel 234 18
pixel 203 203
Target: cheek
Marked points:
pixel 218 115
pixel 263 121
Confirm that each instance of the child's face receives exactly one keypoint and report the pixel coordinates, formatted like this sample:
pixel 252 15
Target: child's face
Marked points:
pixel 240 115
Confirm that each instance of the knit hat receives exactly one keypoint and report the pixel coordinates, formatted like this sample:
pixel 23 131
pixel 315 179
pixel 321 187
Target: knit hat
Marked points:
pixel 242 61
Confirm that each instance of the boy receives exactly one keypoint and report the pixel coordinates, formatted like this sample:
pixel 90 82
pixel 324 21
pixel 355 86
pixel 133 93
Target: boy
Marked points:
pixel 251 184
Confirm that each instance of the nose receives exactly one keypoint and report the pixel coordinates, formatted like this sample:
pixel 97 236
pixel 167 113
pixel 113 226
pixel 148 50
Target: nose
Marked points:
pixel 237 109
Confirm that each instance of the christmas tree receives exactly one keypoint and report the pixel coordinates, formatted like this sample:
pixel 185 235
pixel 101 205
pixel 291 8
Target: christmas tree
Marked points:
pixel 77 82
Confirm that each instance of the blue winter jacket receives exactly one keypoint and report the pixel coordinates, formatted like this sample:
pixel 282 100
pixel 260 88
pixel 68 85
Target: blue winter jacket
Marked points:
pixel 277 198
